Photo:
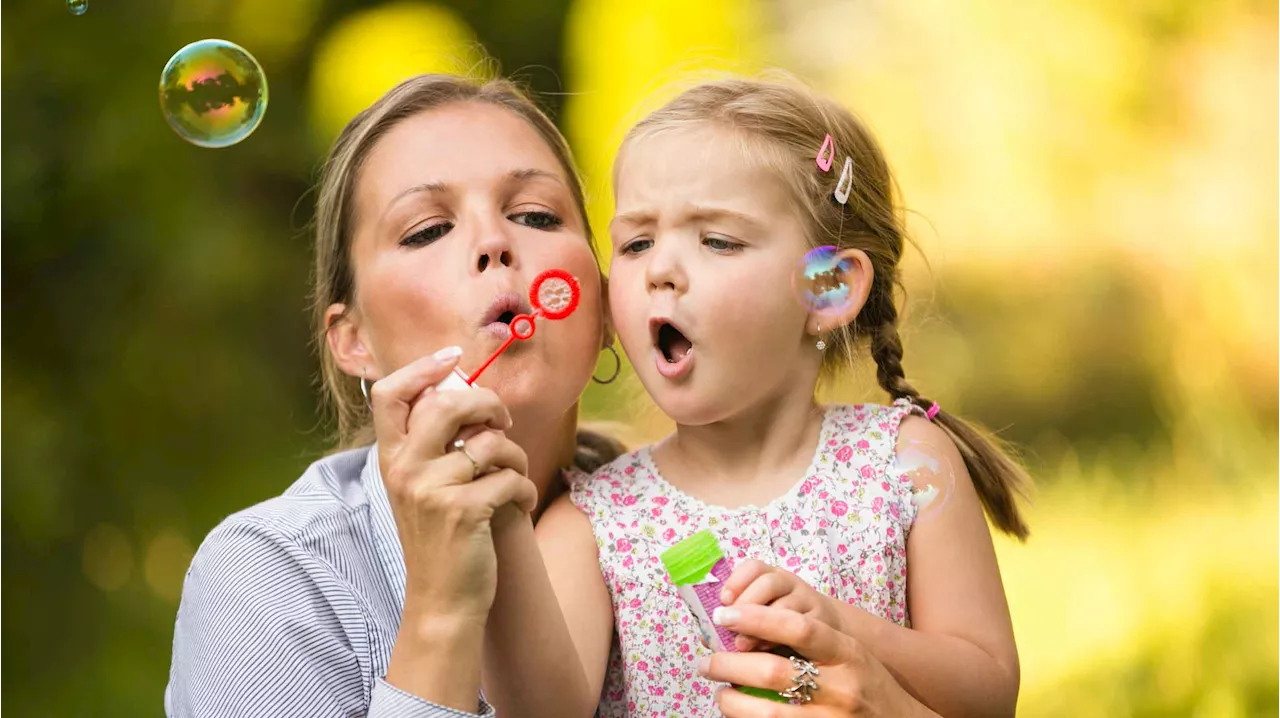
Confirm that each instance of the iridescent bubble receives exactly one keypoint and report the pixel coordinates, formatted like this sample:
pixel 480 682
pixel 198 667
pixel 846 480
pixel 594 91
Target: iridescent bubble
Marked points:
pixel 930 475
pixel 77 7
pixel 213 93
pixel 819 281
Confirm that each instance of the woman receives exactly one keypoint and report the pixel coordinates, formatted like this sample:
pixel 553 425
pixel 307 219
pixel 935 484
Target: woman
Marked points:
pixel 365 588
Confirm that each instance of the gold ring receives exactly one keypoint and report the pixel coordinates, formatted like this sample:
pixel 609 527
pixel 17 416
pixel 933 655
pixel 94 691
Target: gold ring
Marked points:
pixel 802 682
pixel 460 445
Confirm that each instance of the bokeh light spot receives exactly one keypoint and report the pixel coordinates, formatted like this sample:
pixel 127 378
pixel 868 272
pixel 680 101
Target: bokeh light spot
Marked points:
pixel 107 557
pixel 168 556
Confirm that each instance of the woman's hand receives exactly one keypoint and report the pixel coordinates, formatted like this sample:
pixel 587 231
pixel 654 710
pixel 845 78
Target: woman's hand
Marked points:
pixel 757 583
pixel 443 504
pixel 445 507
pixel 851 682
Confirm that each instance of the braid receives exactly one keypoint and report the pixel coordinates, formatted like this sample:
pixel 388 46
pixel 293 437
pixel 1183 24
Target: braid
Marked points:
pixel 886 350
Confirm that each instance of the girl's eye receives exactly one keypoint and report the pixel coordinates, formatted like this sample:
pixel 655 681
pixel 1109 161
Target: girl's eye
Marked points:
pixel 636 246
pixel 537 220
pixel 427 235
pixel 720 244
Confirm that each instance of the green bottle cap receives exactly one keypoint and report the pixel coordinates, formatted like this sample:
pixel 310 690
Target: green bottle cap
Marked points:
pixel 763 693
pixel 691 560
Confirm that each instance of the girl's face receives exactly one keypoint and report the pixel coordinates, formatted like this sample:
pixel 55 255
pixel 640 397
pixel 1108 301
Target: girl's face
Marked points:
pixel 704 244
pixel 457 209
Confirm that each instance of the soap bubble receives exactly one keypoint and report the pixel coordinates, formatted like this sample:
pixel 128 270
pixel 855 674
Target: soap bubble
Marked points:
pixel 213 93
pixel 77 7
pixel 819 281
pixel 930 475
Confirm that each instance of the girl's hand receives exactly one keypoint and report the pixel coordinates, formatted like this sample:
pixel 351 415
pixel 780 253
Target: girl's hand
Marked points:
pixel 444 506
pixel 851 682
pixel 756 583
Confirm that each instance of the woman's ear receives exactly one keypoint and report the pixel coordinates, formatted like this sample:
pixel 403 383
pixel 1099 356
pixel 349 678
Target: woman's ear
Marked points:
pixel 346 342
pixel 858 276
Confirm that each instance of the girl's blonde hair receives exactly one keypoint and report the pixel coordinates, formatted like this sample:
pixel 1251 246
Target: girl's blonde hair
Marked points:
pixel 334 278
pixel 782 124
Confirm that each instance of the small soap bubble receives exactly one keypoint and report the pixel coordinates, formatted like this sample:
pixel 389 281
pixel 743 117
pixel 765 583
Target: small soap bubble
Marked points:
pixel 929 475
pixel 77 7
pixel 819 281
pixel 213 93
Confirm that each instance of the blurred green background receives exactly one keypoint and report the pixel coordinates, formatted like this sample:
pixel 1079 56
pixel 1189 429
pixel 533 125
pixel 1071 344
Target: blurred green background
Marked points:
pixel 1093 185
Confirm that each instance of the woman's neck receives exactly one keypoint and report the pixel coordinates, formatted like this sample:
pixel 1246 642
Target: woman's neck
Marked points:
pixel 757 453
pixel 550 447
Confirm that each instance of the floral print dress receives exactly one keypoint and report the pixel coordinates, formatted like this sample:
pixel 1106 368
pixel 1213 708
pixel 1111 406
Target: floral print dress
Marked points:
pixel 842 529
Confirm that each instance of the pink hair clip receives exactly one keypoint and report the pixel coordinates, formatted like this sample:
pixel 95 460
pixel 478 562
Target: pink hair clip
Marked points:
pixel 933 411
pixel 826 154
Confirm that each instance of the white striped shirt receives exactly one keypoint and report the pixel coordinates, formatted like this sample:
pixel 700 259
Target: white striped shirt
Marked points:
pixel 291 607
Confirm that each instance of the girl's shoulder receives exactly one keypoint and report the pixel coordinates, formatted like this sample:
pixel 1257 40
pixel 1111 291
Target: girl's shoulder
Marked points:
pixel 869 421
pixel 618 477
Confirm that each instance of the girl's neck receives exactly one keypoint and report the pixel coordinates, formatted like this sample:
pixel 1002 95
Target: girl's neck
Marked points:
pixel 762 450
pixel 550 447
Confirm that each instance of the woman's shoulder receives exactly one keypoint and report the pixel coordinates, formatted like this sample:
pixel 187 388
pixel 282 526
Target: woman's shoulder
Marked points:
pixel 312 529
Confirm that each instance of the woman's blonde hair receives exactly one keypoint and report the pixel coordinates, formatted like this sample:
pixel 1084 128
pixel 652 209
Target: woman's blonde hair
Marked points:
pixel 782 124
pixel 334 278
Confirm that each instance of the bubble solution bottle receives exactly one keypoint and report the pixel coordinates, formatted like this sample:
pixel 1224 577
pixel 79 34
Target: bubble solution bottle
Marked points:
pixel 699 570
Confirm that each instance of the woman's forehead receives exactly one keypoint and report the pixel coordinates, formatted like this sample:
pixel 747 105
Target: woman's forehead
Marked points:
pixel 462 145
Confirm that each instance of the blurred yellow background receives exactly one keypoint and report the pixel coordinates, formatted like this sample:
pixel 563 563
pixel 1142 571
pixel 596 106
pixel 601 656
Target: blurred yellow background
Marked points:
pixel 1092 185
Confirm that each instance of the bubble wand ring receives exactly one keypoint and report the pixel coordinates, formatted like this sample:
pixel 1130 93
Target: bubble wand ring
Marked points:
pixel 554 295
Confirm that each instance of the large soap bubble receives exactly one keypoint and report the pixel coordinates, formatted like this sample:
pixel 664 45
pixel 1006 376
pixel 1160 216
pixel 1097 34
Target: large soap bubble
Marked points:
pixel 213 93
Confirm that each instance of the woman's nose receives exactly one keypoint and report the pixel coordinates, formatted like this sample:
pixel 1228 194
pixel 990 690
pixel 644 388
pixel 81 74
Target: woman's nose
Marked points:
pixel 495 250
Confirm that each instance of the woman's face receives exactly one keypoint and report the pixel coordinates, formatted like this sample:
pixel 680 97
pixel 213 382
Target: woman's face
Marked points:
pixel 457 209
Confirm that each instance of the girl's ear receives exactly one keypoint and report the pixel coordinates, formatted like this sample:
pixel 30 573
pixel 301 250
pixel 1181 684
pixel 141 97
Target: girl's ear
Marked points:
pixel 858 278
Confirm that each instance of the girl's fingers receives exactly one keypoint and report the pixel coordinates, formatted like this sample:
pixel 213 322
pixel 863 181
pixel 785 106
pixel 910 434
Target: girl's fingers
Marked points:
pixel 735 704
pixel 766 589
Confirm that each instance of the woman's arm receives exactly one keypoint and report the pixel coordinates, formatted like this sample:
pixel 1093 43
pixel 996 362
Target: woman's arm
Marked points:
pixel 266 629
pixel 959 656
pixel 534 657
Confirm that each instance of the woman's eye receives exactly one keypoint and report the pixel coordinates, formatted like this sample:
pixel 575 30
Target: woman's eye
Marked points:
pixel 720 244
pixel 427 235
pixel 636 246
pixel 537 220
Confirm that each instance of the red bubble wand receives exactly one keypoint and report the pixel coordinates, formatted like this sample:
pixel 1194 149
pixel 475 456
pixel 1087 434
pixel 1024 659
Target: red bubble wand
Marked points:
pixel 554 295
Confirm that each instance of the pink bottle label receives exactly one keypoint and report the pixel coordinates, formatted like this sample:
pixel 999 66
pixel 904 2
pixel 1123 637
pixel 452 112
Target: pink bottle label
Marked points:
pixel 703 599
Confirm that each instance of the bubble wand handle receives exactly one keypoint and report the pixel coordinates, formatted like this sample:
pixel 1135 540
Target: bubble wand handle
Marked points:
pixel 515 321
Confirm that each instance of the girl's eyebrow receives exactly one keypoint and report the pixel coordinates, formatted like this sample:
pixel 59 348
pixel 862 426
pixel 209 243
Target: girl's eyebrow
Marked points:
pixel 696 213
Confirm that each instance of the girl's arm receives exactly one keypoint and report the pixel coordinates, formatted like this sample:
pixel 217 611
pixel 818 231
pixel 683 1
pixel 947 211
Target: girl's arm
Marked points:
pixel 536 663
pixel 959 656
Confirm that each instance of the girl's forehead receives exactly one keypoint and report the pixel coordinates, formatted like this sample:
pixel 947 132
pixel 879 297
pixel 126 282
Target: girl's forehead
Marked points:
pixel 696 165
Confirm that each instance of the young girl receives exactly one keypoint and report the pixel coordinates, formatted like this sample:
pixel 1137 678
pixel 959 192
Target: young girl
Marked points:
pixel 720 194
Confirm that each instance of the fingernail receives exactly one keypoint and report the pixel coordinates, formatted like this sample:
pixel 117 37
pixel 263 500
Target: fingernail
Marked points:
pixel 726 596
pixel 704 665
pixel 447 354
pixel 724 616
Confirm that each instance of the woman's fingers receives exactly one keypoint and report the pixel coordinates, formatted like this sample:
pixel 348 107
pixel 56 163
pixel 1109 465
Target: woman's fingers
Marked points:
pixel 735 704
pixel 760 670
pixel 744 574
pixel 493 450
pixel 393 396
pixel 439 415
pixel 500 488
pixel 808 636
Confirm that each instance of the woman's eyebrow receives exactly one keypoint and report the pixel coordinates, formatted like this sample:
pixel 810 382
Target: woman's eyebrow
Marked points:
pixel 530 174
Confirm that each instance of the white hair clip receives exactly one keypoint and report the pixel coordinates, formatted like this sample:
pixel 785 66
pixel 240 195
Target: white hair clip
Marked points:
pixel 845 185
